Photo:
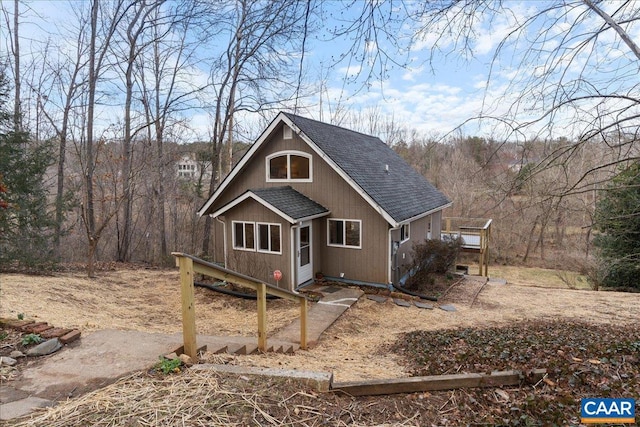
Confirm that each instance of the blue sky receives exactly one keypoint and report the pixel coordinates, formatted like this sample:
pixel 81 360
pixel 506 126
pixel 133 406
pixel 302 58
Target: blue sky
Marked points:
pixel 433 98
pixel 438 97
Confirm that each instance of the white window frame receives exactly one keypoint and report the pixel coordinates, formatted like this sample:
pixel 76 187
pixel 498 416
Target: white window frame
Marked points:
pixel 405 235
pixel 344 233
pixel 288 154
pixel 244 237
pixel 257 234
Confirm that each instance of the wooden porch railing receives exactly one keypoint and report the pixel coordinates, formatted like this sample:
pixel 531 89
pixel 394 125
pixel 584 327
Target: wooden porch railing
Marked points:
pixel 189 265
pixel 476 232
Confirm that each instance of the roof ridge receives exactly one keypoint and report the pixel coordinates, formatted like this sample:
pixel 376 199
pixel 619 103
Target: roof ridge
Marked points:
pixel 335 126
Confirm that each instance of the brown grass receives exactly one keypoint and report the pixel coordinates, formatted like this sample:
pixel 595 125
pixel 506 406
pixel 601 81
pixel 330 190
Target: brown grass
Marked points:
pixel 149 300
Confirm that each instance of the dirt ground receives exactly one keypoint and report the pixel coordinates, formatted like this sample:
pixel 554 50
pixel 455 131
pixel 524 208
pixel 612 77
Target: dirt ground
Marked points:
pixel 149 300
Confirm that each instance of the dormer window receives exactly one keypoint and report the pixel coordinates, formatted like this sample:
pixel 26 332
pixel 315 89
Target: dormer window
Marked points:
pixel 289 166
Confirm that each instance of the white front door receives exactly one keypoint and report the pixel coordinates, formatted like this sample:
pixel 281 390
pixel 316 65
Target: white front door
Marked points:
pixel 303 245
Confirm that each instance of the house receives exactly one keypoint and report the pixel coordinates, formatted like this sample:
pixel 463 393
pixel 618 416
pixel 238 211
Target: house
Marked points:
pixel 311 197
pixel 187 167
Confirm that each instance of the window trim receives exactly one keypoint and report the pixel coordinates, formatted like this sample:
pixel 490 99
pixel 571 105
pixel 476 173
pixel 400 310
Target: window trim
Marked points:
pixel 256 237
pixel 344 236
pixel 244 237
pixel 404 236
pixel 288 154
pixel 257 234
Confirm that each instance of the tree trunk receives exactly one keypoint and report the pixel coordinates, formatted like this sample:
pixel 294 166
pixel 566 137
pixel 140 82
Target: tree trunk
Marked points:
pixel 60 191
pixel 90 212
pixel 17 108
pixel 91 257
pixel 530 239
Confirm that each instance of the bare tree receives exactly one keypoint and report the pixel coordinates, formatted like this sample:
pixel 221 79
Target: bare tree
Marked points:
pixel 12 21
pixel 167 90
pixel 582 82
pixel 136 23
pixel 256 72
pixel 103 25
pixel 570 66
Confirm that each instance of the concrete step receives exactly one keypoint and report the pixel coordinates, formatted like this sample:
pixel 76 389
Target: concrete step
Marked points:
pixel 247 349
pixel 219 350
pixel 233 348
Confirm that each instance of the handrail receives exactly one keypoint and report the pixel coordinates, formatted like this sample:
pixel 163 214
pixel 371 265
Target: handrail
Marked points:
pixel 189 264
pixel 238 278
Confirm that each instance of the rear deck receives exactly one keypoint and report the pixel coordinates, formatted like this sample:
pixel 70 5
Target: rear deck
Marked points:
pixel 475 234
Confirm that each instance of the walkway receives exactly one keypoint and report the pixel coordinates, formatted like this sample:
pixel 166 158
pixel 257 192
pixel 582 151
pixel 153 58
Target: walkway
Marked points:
pixel 335 301
pixel 100 358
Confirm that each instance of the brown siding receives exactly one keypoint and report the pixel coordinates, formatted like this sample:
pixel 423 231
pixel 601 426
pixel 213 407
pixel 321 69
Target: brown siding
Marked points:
pixel 436 225
pixel 418 233
pixel 257 264
pixel 368 264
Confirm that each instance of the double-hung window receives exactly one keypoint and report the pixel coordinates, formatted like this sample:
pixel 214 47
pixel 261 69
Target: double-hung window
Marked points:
pixel 261 237
pixel 344 233
pixel 269 238
pixel 244 236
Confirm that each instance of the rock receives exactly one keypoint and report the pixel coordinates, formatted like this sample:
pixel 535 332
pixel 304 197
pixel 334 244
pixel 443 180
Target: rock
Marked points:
pixel 401 302
pixel 10 361
pixel 377 298
pixel 16 354
pixel 424 305
pixel 186 359
pixel 47 347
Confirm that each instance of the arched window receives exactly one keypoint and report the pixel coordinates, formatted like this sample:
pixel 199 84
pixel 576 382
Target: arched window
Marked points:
pixel 289 166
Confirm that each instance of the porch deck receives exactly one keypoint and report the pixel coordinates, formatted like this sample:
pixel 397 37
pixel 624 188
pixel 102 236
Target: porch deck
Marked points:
pixel 475 234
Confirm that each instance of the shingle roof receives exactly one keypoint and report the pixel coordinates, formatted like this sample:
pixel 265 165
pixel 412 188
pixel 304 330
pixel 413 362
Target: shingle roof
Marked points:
pixel 378 170
pixel 290 202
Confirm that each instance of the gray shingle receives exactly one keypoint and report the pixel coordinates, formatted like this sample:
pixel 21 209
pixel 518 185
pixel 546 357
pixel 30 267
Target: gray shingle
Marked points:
pixel 291 202
pixel 401 191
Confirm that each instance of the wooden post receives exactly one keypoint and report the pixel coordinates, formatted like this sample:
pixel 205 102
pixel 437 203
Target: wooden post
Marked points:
pixel 486 255
pixel 262 316
pixel 188 307
pixel 303 323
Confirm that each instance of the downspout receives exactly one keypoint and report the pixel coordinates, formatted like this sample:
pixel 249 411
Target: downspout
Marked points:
pixel 224 238
pixel 294 256
pixel 391 257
